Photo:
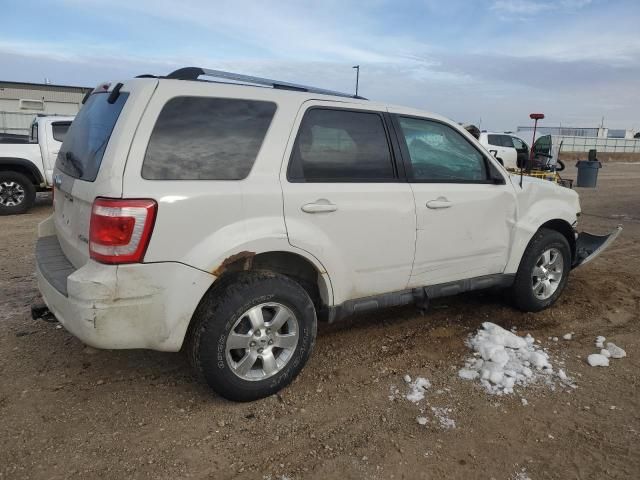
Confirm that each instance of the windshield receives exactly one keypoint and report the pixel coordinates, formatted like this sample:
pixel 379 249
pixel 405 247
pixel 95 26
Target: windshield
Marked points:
pixel 84 144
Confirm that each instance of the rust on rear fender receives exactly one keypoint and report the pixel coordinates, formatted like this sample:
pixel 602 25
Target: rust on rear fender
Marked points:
pixel 235 260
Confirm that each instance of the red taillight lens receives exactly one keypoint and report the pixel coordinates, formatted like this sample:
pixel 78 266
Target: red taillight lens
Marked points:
pixel 120 229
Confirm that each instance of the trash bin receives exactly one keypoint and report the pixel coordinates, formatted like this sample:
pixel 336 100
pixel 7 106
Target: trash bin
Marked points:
pixel 588 171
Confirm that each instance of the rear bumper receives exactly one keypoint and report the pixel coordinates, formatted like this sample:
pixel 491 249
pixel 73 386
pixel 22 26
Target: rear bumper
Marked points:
pixel 589 246
pixel 126 306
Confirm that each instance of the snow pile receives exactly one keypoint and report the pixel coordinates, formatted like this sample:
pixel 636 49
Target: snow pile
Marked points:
pixel 503 360
pixel 417 389
pixel 568 336
pixel 602 359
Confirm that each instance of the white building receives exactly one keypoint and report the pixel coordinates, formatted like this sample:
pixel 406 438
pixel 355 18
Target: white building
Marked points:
pixel 21 102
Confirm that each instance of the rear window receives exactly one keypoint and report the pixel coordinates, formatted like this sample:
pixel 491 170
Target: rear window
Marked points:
pixel 198 138
pixel 86 140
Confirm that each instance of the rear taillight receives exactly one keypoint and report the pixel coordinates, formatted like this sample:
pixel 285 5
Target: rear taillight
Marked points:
pixel 120 229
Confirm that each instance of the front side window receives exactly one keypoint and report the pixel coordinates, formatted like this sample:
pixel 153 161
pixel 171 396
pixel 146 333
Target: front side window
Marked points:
pixel 341 146
pixel 519 144
pixel 438 153
pixel 199 138
pixel 60 130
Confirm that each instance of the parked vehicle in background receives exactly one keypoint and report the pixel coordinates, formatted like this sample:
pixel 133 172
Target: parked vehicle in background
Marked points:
pixel 227 219
pixel 27 168
pixel 509 150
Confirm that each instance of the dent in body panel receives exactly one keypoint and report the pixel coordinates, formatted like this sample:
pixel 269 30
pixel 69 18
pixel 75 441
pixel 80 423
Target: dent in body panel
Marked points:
pixel 539 201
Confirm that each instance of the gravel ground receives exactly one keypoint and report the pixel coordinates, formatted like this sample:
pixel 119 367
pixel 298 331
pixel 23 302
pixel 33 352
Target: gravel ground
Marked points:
pixel 68 411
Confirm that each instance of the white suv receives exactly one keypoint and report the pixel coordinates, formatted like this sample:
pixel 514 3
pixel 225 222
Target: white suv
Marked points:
pixel 509 150
pixel 227 219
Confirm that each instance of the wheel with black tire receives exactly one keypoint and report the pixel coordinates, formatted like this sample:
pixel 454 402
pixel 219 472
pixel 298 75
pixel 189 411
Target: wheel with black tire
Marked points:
pixel 252 335
pixel 17 193
pixel 543 271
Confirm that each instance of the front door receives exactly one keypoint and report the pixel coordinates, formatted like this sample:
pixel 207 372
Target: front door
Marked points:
pixel 465 208
pixel 344 201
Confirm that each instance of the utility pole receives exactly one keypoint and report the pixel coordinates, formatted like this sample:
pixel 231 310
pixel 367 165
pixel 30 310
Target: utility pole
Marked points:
pixel 357 67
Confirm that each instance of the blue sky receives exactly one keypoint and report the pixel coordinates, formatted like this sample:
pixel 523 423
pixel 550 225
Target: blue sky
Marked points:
pixel 495 60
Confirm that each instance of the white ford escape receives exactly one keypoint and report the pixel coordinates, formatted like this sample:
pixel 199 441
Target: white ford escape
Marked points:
pixel 226 219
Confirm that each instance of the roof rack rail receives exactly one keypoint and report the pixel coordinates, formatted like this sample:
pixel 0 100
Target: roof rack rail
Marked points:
pixel 192 73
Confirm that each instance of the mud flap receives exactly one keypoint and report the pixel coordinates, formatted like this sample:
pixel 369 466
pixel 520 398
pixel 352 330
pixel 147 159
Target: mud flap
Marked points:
pixel 589 246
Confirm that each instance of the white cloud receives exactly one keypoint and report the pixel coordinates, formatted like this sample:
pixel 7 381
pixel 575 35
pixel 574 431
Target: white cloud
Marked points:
pixel 511 9
pixel 493 70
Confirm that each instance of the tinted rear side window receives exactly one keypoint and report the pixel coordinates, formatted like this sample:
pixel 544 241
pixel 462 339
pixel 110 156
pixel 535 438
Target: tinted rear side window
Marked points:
pixel 60 130
pixel 341 146
pixel 500 140
pixel 86 140
pixel 199 138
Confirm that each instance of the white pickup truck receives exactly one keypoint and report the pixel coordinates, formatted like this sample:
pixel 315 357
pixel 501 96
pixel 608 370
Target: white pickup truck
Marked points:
pixel 27 168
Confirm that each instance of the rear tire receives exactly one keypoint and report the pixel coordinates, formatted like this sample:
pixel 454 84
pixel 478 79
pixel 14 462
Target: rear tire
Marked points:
pixel 17 193
pixel 252 335
pixel 543 271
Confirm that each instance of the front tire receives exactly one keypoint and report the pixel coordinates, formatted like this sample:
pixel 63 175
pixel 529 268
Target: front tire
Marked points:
pixel 543 271
pixel 253 335
pixel 17 193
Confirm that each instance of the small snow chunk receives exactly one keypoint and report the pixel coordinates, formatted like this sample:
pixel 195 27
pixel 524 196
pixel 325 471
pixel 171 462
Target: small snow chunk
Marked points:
pixel 421 420
pixel 441 414
pixel 567 336
pixel 615 351
pixel 597 360
pixel 417 389
pixel 407 378
pixel 562 375
pixel 600 341
pixel 605 352
pixel 524 402
pixel 612 407
pixel 522 475
pixel 555 339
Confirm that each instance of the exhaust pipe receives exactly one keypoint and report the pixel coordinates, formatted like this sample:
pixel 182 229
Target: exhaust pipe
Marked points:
pixel 40 311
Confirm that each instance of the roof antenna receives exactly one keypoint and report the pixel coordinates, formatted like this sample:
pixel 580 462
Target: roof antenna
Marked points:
pixel 535 117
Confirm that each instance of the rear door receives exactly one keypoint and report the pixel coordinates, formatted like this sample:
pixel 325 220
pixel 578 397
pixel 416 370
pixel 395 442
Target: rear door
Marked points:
pixel 465 218
pixel 91 161
pixel 344 200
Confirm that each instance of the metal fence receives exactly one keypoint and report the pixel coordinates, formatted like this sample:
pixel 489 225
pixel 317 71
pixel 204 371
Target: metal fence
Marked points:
pixel 609 145
pixel 564 131
pixel 17 123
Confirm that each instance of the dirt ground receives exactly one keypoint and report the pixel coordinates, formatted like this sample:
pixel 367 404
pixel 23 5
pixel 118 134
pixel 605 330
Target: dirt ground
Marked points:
pixel 67 411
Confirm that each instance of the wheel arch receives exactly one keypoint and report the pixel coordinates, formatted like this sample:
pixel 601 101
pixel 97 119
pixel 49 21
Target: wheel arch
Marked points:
pixel 294 265
pixel 563 227
pixel 23 166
